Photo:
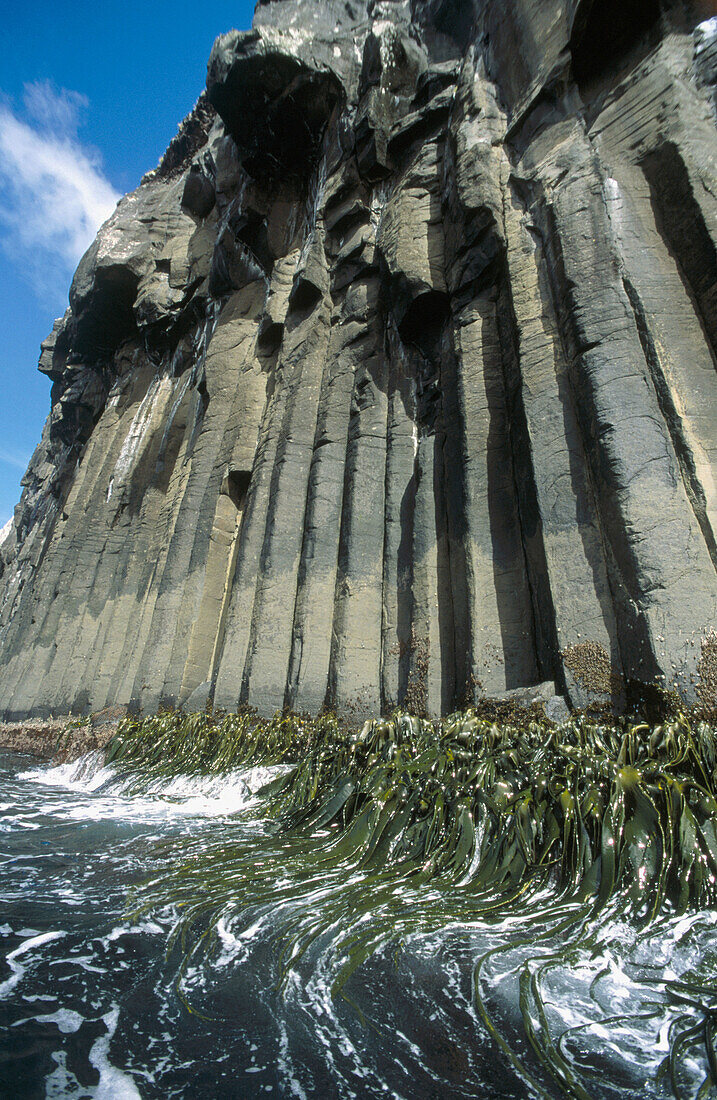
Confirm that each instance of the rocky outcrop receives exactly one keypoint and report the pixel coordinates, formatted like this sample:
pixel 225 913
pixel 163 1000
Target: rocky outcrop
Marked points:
pixel 395 382
pixel 60 739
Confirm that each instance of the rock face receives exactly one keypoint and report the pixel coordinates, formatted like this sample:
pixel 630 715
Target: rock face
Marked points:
pixel 395 382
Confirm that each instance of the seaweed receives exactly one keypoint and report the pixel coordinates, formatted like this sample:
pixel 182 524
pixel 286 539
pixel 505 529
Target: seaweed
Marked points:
pixel 408 824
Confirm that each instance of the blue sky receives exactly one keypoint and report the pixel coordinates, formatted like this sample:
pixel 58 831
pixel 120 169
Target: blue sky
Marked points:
pixel 90 96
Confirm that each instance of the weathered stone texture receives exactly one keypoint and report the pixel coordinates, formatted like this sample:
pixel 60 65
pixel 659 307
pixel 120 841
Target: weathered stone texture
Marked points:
pixel 394 383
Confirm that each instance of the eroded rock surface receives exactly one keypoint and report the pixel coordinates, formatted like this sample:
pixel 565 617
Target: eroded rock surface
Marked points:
pixel 395 382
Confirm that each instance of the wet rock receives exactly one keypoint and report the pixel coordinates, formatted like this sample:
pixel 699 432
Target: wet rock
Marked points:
pixel 556 709
pixel 526 696
pixel 199 698
pixel 394 383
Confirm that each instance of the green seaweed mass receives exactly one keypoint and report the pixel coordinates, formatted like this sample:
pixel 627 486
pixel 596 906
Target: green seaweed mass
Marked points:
pixel 408 825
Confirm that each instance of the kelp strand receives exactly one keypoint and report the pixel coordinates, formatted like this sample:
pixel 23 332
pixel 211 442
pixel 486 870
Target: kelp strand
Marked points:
pixel 466 814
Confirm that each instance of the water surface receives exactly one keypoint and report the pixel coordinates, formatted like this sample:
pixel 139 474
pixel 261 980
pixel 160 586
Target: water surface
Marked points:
pixel 167 941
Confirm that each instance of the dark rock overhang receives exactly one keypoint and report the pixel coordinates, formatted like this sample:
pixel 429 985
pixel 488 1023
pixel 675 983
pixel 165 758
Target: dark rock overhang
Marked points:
pixel 275 106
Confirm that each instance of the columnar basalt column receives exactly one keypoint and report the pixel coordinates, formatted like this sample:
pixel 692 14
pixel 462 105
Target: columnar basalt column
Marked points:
pixel 394 384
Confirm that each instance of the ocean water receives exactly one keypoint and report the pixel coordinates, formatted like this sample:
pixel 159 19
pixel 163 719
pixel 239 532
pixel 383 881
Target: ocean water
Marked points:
pixel 167 940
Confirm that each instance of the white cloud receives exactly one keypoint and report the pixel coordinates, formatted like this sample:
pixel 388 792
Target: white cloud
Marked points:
pixel 54 110
pixel 53 193
pixel 11 459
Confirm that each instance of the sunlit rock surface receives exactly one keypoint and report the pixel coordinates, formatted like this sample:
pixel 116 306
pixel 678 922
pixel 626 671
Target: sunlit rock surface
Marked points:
pixel 395 382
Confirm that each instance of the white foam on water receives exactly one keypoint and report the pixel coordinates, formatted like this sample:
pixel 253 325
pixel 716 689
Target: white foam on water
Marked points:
pixel 9 826
pixel 115 796
pixel 114 1084
pixel 18 969
pixel 285 1066
pixel 148 926
pixel 86 774
pixel 67 1021
pixel 60 1083
pixel 234 947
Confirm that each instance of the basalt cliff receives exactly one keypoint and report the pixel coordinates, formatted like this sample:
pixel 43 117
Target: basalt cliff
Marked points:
pixel 394 383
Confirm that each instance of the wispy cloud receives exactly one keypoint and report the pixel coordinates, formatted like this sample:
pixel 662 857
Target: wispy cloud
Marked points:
pixel 11 459
pixel 53 192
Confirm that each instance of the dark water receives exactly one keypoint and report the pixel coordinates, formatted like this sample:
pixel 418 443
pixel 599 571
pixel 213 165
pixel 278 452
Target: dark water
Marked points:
pixel 168 943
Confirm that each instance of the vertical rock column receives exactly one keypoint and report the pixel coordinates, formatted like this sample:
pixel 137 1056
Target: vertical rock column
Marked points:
pixel 316 591
pixel 400 504
pixel 355 670
pixel 233 343
pixel 302 362
pixel 661 574
pixel 180 589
